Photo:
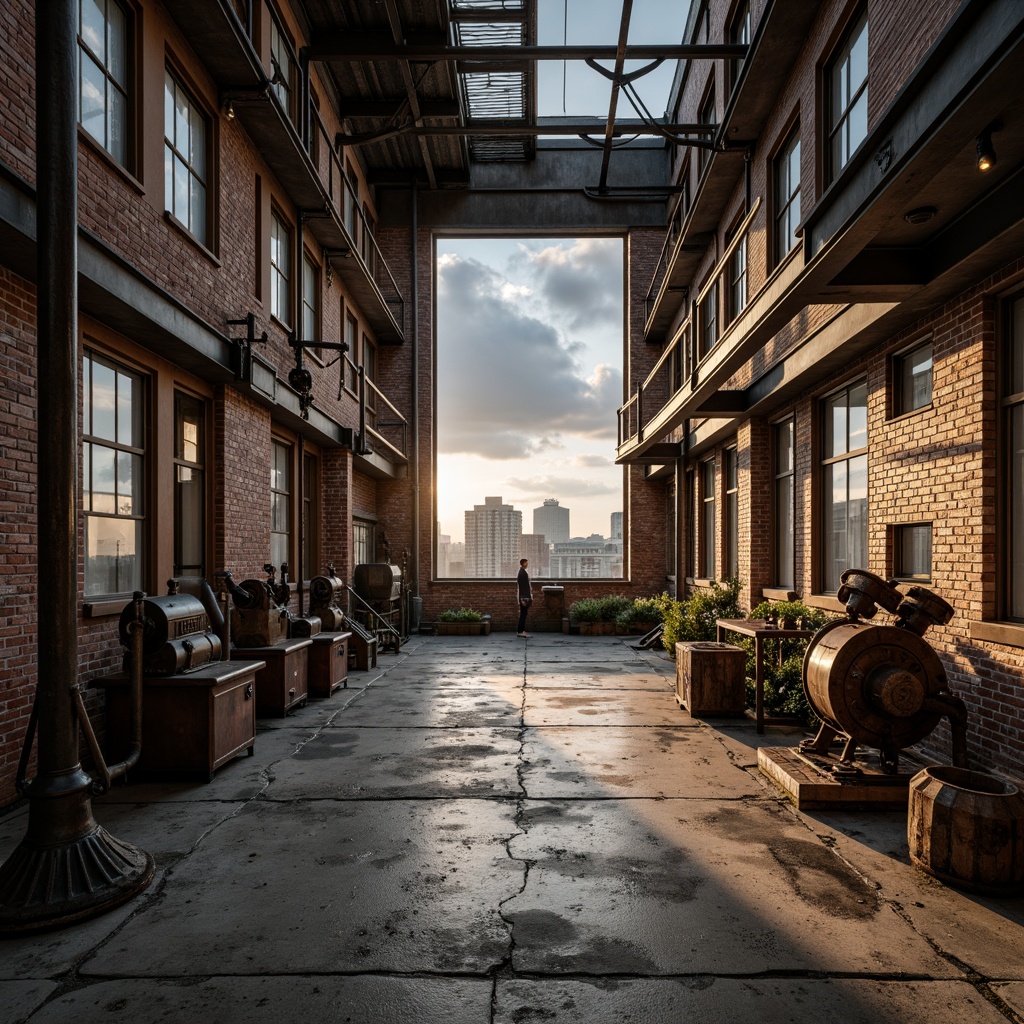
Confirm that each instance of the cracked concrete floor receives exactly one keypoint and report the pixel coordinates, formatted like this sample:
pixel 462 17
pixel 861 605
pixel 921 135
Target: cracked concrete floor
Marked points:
pixel 491 830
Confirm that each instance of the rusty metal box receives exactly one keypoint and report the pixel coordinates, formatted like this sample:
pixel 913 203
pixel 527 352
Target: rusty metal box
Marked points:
pixel 711 678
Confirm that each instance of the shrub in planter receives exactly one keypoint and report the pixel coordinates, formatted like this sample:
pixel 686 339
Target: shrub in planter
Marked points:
pixel 640 617
pixel 694 618
pixel 462 622
pixel 598 609
pixel 459 615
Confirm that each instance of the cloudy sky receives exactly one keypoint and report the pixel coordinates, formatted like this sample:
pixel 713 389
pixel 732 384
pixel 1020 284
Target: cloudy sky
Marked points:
pixel 530 332
pixel 529 349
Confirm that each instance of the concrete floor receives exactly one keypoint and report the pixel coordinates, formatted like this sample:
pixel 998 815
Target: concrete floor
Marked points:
pixel 497 830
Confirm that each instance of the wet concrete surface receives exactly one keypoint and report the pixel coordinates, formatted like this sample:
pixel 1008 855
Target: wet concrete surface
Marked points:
pixel 490 830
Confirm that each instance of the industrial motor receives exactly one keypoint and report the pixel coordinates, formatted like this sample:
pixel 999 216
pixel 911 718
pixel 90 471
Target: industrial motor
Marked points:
pixel 326 594
pixel 176 634
pixel 880 686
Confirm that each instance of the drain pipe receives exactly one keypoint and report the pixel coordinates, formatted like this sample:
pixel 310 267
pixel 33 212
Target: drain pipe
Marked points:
pixel 415 433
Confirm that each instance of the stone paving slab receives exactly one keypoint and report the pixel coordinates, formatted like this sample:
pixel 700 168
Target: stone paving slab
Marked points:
pixel 393 763
pixel 610 761
pixel 576 706
pixel 742 1001
pixel 318 887
pixel 18 999
pixel 984 932
pixel 612 678
pixel 698 887
pixel 306 998
pixel 1012 994
pixel 499 705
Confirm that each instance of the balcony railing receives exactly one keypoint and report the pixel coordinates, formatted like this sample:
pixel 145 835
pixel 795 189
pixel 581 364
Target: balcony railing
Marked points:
pixel 383 430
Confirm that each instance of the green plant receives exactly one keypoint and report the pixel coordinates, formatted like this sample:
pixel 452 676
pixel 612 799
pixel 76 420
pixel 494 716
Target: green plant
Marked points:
pixel 459 615
pixel 694 618
pixel 598 609
pixel 642 611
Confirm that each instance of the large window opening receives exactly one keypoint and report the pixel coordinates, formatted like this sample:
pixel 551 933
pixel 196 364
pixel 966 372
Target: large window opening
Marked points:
pixel 529 376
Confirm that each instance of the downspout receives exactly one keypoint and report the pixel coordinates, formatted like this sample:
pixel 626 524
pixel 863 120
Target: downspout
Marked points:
pixel 415 441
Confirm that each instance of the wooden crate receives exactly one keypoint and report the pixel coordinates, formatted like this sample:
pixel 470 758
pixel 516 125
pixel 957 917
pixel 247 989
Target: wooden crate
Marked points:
pixel 283 684
pixel 710 678
pixel 328 663
pixel 191 724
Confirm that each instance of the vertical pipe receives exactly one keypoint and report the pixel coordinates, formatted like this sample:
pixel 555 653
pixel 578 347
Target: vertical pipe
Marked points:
pixel 415 441
pixel 57 310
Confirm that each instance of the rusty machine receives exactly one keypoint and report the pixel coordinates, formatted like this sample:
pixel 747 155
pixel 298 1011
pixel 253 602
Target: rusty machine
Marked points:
pixel 326 596
pixel 880 686
pixel 177 634
pixel 377 589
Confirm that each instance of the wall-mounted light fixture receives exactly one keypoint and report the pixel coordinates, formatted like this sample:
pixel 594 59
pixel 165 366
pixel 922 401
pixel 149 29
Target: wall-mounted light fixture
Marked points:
pixel 986 151
pixel 227 108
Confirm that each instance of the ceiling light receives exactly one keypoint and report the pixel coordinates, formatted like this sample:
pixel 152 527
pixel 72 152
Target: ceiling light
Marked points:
pixel 986 151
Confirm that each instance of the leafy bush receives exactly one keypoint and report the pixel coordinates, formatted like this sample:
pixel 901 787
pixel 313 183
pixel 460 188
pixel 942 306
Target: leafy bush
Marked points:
pixel 641 612
pixel 598 609
pixel 694 618
pixel 459 615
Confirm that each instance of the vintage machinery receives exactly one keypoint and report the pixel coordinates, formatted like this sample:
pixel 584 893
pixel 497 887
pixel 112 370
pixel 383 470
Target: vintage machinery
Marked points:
pixel 176 634
pixel 880 686
pixel 258 619
pixel 377 587
pixel 326 595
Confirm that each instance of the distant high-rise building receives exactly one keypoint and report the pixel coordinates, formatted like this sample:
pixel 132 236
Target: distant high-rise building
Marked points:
pixel 552 521
pixel 616 526
pixel 538 551
pixel 493 539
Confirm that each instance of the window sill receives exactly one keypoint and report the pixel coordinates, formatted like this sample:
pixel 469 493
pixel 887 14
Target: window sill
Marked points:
pixel 826 602
pixel 119 169
pixel 778 594
pixel 907 413
pixel 105 607
pixel 1009 634
pixel 183 230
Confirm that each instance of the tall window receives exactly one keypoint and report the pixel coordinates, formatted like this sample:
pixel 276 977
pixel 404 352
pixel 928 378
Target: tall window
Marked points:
pixel 709 319
pixel 280 269
pixel 1013 420
pixel 351 201
pixel 189 486
pixel 363 542
pixel 786 173
pixel 368 248
pixel 185 163
pixel 739 32
pixel 368 355
pixel 847 85
pixel 310 299
pixel 280 503
pixel 103 56
pixel 311 564
pixel 845 483
pixel 706 115
pixel 707 519
pixel 738 279
pixel 732 513
pixel 282 67
pixel 912 380
pixel 113 454
pixel 783 497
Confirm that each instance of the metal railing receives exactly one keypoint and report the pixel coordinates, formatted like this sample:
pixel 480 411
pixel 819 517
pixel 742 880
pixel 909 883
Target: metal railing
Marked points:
pixel 376 414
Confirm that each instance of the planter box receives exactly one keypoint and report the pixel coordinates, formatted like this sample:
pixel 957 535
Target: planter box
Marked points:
pixel 637 629
pixel 597 629
pixel 482 628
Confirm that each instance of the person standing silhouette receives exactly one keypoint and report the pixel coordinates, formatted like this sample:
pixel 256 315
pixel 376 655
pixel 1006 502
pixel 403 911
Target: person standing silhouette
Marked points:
pixel 525 596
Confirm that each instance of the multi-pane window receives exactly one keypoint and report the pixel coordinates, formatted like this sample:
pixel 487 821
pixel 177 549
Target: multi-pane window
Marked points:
pixel 351 185
pixel 783 496
pixel 912 552
pixel 737 276
pixel 732 513
pixel 280 503
pixel 739 32
pixel 844 483
pixel 912 380
pixel 280 269
pixel 363 541
pixel 185 159
pixel 847 85
pixel 787 196
pixel 103 56
pixel 1013 426
pixel 709 319
pixel 706 115
pixel 707 519
pixel 351 363
pixel 368 247
pixel 310 521
pixel 369 364
pixel 282 68
pixel 189 486
pixel 113 456
pixel 310 299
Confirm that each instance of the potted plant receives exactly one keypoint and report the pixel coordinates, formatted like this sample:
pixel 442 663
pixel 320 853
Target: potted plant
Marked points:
pixel 642 615
pixel 596 615
pixel 462 622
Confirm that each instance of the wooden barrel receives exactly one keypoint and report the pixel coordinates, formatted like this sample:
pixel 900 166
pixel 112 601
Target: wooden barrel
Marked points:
pixel 967 828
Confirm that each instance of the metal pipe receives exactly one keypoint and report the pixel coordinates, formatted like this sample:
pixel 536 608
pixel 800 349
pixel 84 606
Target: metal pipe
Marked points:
pixel 414 445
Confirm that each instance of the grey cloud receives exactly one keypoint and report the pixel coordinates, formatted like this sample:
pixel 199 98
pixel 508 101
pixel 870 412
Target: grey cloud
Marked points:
pixel 508 386
pixel 531 488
